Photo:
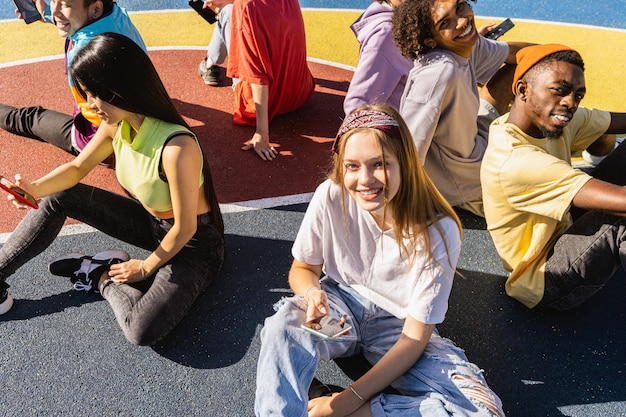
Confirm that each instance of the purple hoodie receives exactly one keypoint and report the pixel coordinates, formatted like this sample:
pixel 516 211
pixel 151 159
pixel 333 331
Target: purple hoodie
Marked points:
pixel 382 71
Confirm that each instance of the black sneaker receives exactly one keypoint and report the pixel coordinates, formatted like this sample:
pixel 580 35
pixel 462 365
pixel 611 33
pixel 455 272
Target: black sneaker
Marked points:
pixel 212 75
pixel 6 301
pixel 86 269
pixel 319 389
pixel 66 265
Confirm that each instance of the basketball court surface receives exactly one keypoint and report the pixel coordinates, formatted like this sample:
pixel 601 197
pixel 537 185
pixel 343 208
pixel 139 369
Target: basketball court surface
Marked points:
pixel 62 353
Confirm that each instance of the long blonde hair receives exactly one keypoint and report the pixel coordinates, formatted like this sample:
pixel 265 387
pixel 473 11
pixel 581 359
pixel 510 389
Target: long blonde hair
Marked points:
pixel 418 204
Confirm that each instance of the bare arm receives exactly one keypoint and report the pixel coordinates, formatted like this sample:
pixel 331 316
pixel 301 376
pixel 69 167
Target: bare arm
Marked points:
pixel 606 143
pixel 601 195
pixel 260 142
pixel 618 123
pixel 69 174
pixel 602 146
pixel 304 280
pixel 182 163
pixel 514 47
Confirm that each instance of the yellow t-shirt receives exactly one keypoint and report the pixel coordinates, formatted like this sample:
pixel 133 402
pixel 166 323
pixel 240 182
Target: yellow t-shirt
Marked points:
pixel 528 185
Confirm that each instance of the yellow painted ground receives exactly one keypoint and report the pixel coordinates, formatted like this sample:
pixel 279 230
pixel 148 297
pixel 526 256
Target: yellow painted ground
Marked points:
pixel 330 38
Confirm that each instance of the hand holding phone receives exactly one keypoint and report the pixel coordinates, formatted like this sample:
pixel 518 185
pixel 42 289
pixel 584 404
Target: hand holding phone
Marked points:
pixel 500 30
pixel 28 10
pixel 327 327
pixel 19 194
pixel 207 14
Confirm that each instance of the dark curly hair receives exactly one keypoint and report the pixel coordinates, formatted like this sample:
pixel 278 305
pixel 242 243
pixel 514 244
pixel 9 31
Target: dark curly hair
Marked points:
pixel 412 22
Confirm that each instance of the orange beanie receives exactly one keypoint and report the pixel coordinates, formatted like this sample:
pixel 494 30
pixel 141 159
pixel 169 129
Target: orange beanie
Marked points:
pixel 529 56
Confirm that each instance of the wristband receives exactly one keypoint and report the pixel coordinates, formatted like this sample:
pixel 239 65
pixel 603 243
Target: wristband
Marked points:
pixel 306 294
pixel 143 272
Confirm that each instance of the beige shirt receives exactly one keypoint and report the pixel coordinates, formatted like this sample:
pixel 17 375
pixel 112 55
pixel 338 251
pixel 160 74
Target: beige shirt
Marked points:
pixel 528 187
pixel 440 105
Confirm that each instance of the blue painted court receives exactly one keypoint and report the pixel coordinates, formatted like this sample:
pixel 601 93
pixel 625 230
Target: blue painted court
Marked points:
pixel 602 13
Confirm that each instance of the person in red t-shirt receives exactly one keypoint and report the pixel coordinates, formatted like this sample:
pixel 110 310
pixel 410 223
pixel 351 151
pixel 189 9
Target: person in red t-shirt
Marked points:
pixel 268 54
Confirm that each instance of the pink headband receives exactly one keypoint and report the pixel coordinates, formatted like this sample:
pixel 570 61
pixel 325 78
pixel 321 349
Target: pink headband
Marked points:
pixel 368 119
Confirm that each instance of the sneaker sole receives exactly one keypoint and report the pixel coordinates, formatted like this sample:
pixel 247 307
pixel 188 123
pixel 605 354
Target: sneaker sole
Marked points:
pixel 6 305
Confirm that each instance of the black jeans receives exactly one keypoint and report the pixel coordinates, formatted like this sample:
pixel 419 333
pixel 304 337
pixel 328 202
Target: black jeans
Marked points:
pixel 39 123
pixel 585 257
pixel 146 311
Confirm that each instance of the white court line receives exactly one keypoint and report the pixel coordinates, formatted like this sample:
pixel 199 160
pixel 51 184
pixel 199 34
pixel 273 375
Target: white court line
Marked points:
pixel 229 208
pixel 266 203
pixel 162 48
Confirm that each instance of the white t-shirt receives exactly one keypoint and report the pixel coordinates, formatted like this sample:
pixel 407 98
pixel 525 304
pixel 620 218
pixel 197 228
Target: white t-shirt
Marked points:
pixel 354 251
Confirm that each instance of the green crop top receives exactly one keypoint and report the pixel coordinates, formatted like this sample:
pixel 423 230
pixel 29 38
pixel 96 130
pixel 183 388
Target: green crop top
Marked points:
pixel 138 161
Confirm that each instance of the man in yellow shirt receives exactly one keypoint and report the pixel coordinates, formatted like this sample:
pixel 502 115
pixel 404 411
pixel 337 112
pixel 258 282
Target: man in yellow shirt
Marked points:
pixel 554 260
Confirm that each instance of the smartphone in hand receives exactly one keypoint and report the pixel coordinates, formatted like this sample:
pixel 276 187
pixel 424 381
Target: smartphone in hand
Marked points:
pixel 21 195
pixel 207 14
pixel 28 10
pixel 329 327
pixel 500 30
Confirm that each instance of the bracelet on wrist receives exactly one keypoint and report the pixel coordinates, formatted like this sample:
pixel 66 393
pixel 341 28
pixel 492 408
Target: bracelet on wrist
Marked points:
pixel 306 294
pixel 143 272
pixel 355 393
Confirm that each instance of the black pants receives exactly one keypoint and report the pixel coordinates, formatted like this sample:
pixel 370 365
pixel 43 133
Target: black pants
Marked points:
pixel 40 124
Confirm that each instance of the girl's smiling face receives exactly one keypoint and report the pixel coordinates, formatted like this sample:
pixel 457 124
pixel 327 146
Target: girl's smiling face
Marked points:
pixel 367 175
pixel 453 27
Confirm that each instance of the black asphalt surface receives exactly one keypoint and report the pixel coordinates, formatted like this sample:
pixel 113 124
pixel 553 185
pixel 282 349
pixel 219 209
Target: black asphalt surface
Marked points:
pixel 62 353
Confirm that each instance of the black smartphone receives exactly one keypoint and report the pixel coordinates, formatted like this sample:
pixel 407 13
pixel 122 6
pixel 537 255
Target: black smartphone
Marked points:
pixel 28 10
pixel 207 14
pixel 500 30
pixel 18 193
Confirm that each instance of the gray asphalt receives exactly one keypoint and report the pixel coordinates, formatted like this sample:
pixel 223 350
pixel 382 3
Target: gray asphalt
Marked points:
pixel 62 353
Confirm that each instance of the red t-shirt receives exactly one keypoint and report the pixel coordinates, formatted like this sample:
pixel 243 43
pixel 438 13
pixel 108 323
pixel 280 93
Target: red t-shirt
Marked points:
pixel 268 47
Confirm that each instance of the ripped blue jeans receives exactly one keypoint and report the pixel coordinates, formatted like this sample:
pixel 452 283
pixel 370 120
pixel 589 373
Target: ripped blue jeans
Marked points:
pixel 441 383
